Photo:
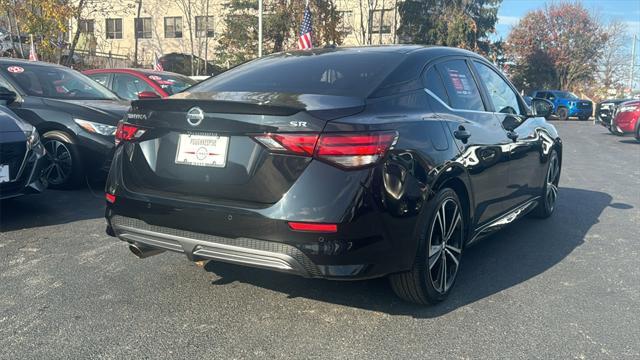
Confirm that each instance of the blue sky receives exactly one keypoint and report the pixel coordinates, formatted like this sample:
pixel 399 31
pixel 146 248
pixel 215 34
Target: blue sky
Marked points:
pixel 627 11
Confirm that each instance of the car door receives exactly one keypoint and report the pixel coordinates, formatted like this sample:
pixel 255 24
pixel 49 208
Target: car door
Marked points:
pixel 479 136
pixel 128 86
pixel 525 150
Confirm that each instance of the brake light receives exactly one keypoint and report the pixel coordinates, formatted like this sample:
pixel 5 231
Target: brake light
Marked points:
pixel 313 227
pixel 354 150
pixel 128 132
pixel 300 144
pixel 349 150
pixel 110 198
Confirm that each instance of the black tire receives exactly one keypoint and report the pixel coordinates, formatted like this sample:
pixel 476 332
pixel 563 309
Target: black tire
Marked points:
pixel 424 283
pixel 64 170
pixel 563 113
pixel 549 198
pixel 637 135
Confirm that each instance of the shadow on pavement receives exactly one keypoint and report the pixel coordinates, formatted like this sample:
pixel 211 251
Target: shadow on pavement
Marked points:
pixel 514 255
pixel 630 141
pixel 52 207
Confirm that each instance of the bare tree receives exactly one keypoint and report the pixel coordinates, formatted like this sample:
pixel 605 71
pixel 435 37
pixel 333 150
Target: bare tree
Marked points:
pixel 614 62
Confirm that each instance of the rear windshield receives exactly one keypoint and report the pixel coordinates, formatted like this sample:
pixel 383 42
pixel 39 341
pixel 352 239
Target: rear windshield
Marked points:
pixel 334 73
pixel 172 84
pixel 55 82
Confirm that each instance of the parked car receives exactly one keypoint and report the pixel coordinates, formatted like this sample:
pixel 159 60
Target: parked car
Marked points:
pixel 75 116
pixel 340 163
pixel 181 64
pixel 625 120
pixel 605 111
pixel 133 84
pixel 22 155
pixel 566 104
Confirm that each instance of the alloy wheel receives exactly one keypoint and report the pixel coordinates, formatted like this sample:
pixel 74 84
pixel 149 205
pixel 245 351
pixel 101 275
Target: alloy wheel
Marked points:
pixel 445 245
pixel 60 162
pixel 552 182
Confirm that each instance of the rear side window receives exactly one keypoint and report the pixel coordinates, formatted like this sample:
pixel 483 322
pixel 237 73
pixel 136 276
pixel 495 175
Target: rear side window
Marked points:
pixel 100 78
pixel 433 82
pixel 461 87
pixel 342 73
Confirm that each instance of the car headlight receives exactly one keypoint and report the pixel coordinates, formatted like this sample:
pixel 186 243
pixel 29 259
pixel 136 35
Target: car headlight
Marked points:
pixel 628 108
pixel 96 128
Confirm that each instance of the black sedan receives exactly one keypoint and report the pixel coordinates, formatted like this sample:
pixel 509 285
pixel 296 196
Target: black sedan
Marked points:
pixel 605 111
pixel 345 163
pixel 75 116
pixel 22 156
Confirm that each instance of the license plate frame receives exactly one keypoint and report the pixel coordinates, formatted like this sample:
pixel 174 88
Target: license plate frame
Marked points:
pixel 202 153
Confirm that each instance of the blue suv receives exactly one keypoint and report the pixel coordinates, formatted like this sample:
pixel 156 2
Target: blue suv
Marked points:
pixel 566 104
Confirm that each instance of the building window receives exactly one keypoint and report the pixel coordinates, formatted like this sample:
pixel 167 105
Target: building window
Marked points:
pixel 143 28
pixel 173 27
pixel 346 22
pixel 382 21
pixel 204 26
pixel 86 26
pixel 114 28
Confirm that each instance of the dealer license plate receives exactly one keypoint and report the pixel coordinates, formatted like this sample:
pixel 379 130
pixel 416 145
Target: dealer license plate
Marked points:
pixel 202 150
pixel 4 173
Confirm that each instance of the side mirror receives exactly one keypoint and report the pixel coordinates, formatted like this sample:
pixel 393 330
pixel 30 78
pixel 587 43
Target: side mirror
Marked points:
pixel 147 95
pixel 541 107
pixel 7 96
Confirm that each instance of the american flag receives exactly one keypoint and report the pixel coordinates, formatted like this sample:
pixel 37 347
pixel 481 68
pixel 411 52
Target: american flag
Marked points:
pixel 304 42
pixel 157 65
pixel 33 56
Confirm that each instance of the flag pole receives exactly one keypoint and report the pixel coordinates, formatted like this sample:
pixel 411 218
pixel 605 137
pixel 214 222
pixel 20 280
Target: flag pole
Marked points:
pixel 259 28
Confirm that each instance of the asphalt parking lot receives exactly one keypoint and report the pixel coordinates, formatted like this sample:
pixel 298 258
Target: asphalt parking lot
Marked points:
pixel 567 287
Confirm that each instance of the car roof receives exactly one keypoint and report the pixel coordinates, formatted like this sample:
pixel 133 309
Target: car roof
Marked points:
pixel 431 50
pixel 132 70
pixel 16 61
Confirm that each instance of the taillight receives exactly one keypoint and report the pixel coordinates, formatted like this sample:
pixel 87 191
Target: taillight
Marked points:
pixel 349 150
pixel 128 132
pixel 300 144
pixel 354 150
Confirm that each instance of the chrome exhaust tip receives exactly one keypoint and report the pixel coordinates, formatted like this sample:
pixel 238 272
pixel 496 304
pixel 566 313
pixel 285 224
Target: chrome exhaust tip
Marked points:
pixel 143 251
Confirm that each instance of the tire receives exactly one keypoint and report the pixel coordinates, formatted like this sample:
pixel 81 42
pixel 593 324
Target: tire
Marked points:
pixel 549 198
pixel 637 135
pixel 64 170
pixel 424 283
pixel 563 113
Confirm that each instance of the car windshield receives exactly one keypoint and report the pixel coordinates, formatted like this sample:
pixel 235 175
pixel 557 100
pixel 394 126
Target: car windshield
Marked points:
pixel 332 73
pixel 567 95
pixel 56 82
pixel 172 84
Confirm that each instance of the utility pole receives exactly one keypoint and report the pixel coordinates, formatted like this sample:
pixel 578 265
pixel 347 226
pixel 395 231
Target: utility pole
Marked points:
pixel 259 28
pixel 633 61
pixel 138 30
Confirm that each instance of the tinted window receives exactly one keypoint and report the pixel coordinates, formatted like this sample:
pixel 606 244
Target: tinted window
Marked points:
pixel 332 73
pixel 55 82
pixel 100 78
pixel 129 86
pixel 171 83
pixel 433 82
pixel 504 99
pixel 461 87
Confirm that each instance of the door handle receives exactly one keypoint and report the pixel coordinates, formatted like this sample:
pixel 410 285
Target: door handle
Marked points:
pixel 512 135
pixel 462 134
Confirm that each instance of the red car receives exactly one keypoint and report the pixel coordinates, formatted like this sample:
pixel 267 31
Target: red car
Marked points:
pixel 626 120
pixel 133 84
